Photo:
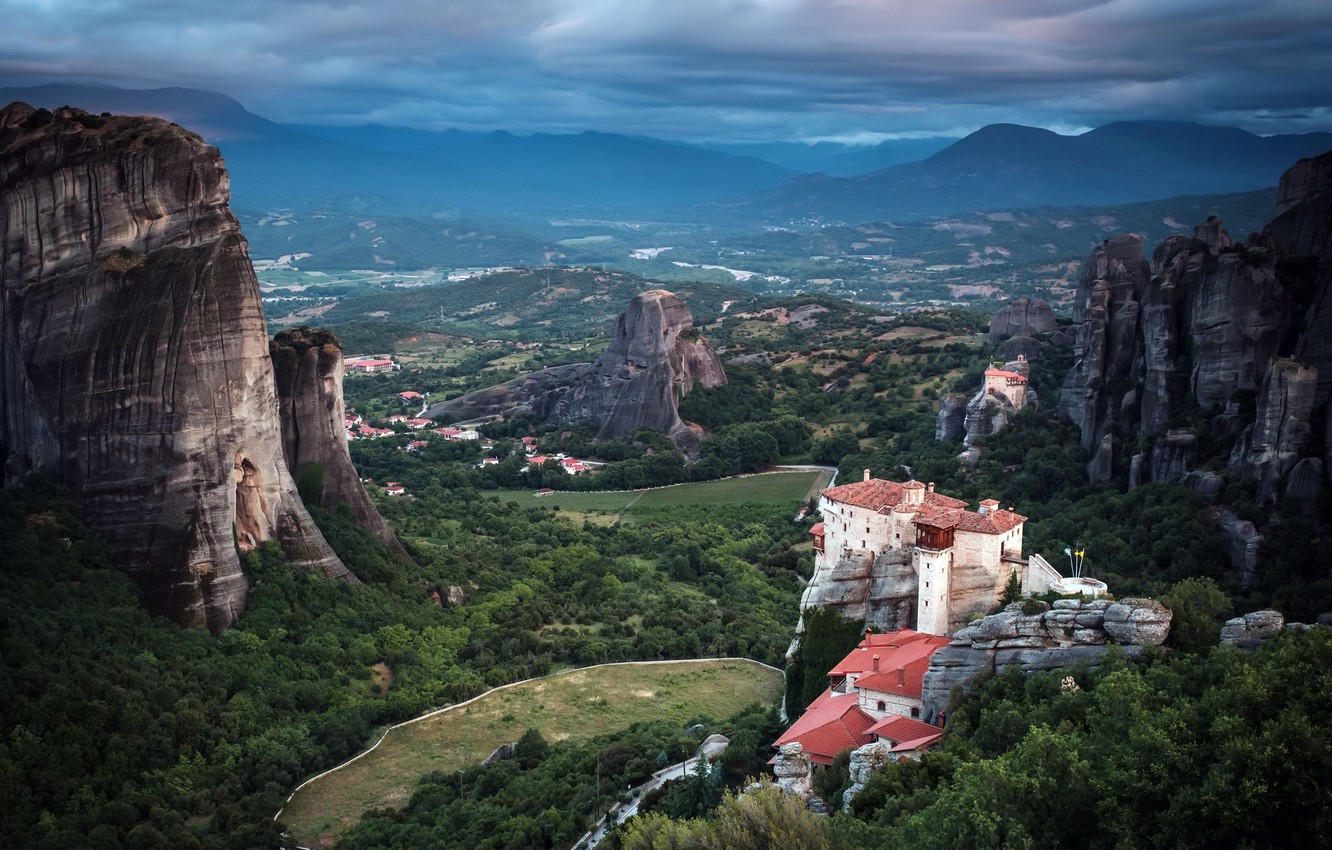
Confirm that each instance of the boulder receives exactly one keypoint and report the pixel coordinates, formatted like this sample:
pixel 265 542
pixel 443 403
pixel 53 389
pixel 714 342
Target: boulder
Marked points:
pixel 1142 622
pixel 793 770
pixel 1252 630
pixel 1026 347
pixel 865 762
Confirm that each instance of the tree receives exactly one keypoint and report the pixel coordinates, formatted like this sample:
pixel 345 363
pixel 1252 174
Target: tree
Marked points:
pixel 835 446
pixel 1199 607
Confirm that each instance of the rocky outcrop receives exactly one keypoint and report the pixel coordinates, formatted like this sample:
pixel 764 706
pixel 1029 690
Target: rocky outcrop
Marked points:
pixel 865 762
pixel 1025 317
pixel 950 423
pixel 1242 541
pixel 1241 332
pixel 308 370
pixel 1253 629
pixel 655 358
pixel 1069 631
pixel 135 360
pixel 1141 622
pixel 793 770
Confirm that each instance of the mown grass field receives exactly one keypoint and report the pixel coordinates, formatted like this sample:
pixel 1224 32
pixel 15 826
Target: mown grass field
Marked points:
pixel 574 705
pixel 773 488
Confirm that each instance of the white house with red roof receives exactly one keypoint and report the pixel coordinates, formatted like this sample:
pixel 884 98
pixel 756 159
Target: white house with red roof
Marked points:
pixel 901 555
pixel 874 694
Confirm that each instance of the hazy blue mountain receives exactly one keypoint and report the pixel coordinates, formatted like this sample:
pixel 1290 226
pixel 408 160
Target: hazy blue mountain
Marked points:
pixel 1007 166
pixel 408 170
pixel 835 159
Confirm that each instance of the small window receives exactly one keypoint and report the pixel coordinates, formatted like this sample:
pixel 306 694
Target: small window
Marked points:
pixel 915 712
pixel 882 706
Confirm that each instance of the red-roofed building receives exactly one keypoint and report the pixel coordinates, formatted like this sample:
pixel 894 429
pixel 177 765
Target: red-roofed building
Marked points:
pixel 961 560
pixel 410 395
pixel 369 365
pixel 874 695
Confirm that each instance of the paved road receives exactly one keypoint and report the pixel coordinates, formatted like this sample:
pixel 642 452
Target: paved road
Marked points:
pixel 711 749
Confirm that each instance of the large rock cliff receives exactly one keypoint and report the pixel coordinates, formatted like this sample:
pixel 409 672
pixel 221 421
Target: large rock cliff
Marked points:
pixel 308 368
pixel 654 359
pixel 1225 342
pixel 135 359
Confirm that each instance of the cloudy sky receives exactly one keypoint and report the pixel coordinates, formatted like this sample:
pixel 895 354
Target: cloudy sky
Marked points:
pixel 737 70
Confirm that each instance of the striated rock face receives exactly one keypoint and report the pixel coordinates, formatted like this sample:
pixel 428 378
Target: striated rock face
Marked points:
pixel 654 360
pixel 1274 443
pixel 1213 326
pixel 1070 631
pixel 950 423
pixel 135 359
pixel 308 370
pixel 1027 317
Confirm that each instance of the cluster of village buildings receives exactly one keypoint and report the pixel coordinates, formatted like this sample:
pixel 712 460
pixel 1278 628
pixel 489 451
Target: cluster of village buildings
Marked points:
pixel 357 428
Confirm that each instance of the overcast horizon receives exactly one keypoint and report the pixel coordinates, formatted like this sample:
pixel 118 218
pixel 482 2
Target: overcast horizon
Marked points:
pixel 743 71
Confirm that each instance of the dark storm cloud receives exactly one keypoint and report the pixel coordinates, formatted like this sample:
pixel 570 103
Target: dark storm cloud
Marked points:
pixel 703 68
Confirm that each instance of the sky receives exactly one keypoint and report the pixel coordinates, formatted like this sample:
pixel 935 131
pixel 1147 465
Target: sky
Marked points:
pixel 855 71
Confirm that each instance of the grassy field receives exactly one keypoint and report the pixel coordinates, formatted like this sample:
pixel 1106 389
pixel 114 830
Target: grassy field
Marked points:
pixel 575 705
pixel 774 488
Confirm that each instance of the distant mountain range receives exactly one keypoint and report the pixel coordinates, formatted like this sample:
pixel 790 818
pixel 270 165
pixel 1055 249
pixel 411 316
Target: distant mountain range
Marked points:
pixel 590 175
pixel 1006 166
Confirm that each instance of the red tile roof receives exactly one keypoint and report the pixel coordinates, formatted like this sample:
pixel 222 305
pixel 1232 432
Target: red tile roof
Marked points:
pixel 1003 373
pixel 832 723
pixel 895 650
pixel 902 679
pixel 898 729
pixel 817 530
pixel 877 494
pixel 936 510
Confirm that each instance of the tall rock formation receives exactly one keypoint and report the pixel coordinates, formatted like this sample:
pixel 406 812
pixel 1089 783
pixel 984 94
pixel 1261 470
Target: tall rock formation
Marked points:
pixel 1210 340
pixel 135 359
pixel 655 358
pixel 308 368
pixel 1025 317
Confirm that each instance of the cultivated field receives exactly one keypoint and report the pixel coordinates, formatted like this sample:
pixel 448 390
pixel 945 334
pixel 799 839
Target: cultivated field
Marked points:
pixel 575 705
pixel 772 488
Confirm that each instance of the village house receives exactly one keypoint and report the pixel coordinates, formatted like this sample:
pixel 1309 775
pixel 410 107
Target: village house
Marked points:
pixel 370 365
pixel 369 432
pixel 903 556
pixel 874 694
pixel 393 488
pixel 457 435
pixel 410 396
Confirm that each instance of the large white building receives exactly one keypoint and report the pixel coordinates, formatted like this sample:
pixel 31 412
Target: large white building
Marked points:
pixel 903 556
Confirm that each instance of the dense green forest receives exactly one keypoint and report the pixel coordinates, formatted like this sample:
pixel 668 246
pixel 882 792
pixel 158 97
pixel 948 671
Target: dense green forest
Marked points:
pixel 1222 750
pixel 124 730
